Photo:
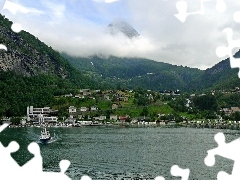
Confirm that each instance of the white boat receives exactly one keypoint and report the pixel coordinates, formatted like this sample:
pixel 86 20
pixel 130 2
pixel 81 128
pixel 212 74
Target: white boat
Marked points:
pixel 45 136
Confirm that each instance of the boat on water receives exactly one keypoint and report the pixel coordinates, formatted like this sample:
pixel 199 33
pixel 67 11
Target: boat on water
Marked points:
pixel 45 136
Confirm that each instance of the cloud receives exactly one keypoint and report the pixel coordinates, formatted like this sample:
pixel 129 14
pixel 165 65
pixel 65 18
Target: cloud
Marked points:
pixel 57 9
pixel 79 28
pixel 15 8
pixel 192 43
pixel 105 1
pixel 85 41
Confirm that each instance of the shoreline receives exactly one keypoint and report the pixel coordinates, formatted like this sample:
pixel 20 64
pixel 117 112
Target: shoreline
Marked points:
pixel 232 126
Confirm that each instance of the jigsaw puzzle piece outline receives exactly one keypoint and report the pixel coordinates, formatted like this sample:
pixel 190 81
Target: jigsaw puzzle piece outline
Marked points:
pixel 236 16
pixel 227 150
pixel 14 8
pixel 182 8
pixel 5 125
pixel 221 6
pixel 33 168
pixel 86 178
pixel 3 47
pixel 179 172
pixel 5 156
pixel 176 171
pixel 35 164
pixel 222 51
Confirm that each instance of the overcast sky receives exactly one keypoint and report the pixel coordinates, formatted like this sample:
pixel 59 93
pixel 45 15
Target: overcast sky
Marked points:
pixel 78 27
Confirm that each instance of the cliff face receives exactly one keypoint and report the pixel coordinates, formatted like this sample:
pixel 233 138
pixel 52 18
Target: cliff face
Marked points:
pixel 26 55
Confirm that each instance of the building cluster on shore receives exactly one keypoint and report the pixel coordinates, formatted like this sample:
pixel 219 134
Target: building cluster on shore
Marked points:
pixel 119 104
pixel 48 117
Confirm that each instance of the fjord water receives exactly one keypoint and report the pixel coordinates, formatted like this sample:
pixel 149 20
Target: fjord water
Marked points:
pixel 124 152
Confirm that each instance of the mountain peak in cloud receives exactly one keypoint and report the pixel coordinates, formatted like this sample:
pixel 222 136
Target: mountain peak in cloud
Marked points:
pixel 123 27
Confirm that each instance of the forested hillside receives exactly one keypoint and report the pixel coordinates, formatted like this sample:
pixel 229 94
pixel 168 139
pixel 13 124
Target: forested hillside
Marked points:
pixel 31 73
pixel 149 74
pixel 136 72
pixel 221 76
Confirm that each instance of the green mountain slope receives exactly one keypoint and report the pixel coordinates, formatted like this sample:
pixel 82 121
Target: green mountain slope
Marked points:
pixel 31 73
pixel 149 74
pixel 220 76
pixel 136 72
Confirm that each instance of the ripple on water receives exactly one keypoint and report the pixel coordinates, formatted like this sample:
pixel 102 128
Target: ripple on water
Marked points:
pixel 125 153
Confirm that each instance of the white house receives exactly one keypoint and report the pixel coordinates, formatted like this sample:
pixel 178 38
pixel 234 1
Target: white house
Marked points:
pixel 235 109
pixel 79 96
pixel 70 120
pixel 85 122
pixel 114 106
pixel 101 118
pixel 84 90
pixel 93 108
pixel 68 95
pixel 83 109
pixel 114 117
pixel 72 109
pixel 106 97
pixel 6 120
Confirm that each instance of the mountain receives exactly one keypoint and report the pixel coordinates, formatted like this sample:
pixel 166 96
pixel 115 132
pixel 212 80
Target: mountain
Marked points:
pixel 136 72
pixel 123 27
pixel 31 72
pixel 158 76
pixel 26 55
pixel 220 76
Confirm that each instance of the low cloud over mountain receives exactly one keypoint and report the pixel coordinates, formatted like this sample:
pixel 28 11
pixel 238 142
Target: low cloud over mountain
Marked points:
pixel 122 27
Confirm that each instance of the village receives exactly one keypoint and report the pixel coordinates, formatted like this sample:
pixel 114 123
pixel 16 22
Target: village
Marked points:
pixel 124 107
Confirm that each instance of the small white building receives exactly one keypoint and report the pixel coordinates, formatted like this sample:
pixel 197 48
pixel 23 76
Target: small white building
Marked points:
pixel 114 106
pixel 47 119
pixel 6 120
pixel 102 118
pixel 188 103
pixel 93 108
pixel 79 96
pixel 72 109
pixel 106 97
pixel 68 95
pixel 114 117
pixel 83 109
pixel 235 109
pixel 84 90
pixel 85 122
pixel 70 120
pixel 34 112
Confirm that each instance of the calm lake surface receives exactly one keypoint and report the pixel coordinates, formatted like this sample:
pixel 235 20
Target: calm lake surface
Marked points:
pixel 124 152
